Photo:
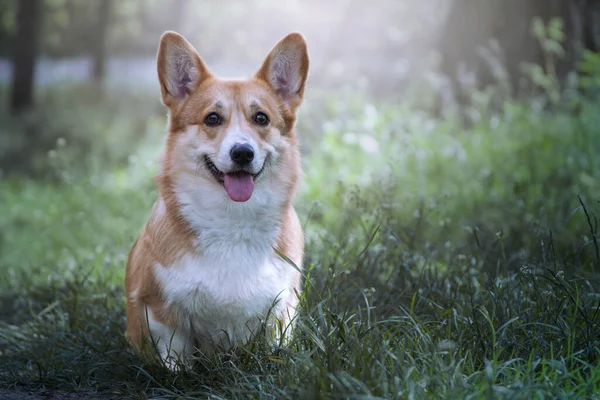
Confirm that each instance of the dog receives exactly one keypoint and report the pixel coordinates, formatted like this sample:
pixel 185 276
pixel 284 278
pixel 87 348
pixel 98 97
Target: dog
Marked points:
pixel 221 253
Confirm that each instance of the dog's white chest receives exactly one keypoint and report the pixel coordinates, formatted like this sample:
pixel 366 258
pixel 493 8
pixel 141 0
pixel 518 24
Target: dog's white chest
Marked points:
pixel 225 295
pixel 235 278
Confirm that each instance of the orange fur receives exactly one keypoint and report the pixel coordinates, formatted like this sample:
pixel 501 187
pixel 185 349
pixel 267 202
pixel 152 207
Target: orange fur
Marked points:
pixel 169 236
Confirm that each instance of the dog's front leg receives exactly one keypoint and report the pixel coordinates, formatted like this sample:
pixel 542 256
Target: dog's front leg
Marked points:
pixel 174 346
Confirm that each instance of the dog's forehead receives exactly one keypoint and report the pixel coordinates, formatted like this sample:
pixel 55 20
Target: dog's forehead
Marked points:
pixel 227 93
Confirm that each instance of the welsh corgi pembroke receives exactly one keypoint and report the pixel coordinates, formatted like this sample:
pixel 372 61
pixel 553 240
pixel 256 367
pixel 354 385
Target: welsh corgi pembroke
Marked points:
pixel 207 269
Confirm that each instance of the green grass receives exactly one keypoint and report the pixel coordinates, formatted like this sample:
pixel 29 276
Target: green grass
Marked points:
pixel 441 263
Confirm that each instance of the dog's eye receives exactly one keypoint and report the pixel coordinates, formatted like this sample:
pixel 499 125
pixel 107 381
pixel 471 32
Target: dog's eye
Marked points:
pixel 261 118
pixel 212 119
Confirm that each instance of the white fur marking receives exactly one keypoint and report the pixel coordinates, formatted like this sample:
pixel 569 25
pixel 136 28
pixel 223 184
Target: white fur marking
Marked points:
pixel 233 280
pixel 224 297
pixel 222 291
pixel 172 345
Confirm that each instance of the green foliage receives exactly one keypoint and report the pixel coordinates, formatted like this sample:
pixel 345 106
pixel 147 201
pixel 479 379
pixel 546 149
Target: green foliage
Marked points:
pixel 441 262
pixel 518 173
pixel 75 128
pixel 590 69
pixel 551 37
pixel 421 335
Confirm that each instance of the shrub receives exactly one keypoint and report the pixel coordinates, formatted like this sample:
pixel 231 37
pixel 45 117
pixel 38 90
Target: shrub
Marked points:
pixel 88 127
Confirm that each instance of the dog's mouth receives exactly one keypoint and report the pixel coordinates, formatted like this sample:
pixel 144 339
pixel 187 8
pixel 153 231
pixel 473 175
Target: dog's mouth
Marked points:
pixel 213 169
pixel 238 184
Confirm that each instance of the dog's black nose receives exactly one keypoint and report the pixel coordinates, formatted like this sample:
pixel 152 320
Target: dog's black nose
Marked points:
pixel 242 154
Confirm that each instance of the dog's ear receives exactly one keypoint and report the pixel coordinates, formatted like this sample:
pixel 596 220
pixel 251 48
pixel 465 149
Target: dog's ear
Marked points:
pixel 285 69
pixel 180 68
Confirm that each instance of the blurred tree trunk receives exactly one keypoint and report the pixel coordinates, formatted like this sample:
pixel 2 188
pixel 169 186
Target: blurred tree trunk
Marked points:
pixel 25 51
pixel 490 40
pixel 589 9
pixel 100 40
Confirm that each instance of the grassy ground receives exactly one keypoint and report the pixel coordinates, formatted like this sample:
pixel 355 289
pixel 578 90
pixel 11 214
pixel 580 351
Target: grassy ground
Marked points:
pixel 441 262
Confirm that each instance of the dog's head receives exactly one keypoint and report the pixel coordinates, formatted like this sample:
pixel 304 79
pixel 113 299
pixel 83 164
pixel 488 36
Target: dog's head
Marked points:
pixel 232 138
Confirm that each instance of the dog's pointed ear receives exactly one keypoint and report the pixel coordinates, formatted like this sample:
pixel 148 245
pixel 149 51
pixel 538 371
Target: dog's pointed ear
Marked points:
pixel 180 68
pixel 285 69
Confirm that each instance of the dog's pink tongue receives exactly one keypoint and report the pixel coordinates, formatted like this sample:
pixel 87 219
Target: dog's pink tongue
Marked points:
pixel 239 186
